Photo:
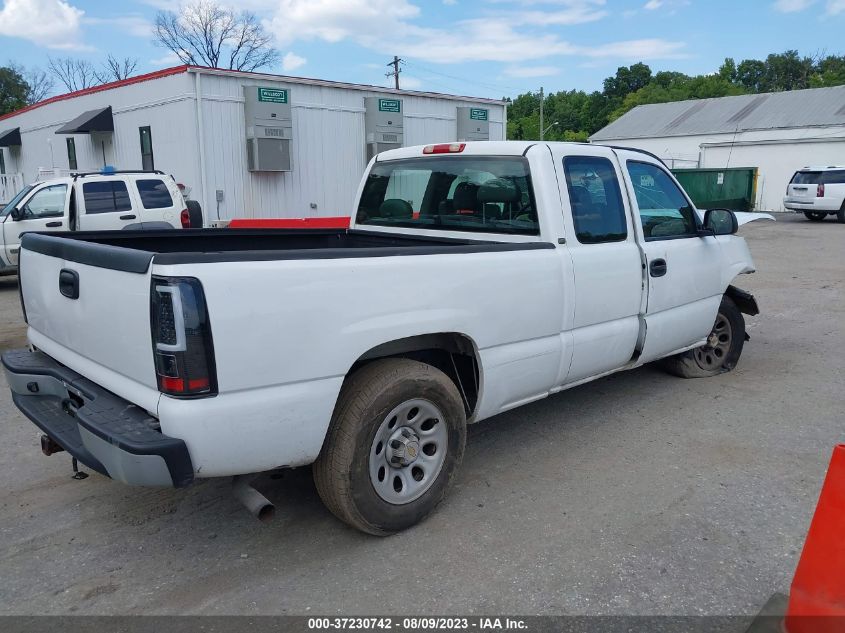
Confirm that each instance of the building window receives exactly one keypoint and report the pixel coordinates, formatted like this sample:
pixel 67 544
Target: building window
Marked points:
pixel 71 153
pixel 147 163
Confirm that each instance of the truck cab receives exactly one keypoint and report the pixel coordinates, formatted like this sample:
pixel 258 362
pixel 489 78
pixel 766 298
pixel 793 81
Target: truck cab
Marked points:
pixel 102 201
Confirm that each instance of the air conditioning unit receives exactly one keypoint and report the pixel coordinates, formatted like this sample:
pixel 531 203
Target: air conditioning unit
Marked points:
pixel 269 128
pixel 383 125
pixel 473 124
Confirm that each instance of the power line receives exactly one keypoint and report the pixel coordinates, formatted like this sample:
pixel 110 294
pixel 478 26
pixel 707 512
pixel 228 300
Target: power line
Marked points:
pixel 497 87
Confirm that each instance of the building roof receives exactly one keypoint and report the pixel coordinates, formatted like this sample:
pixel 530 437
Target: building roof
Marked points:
pixel 727 115
pixel 176 70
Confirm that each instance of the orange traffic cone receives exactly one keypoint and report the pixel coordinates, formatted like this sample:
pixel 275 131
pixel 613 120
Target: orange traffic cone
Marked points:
pixel 817 597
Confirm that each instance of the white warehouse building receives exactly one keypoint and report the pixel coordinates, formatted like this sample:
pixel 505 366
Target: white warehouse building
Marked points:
pixel 248 144
pixel 778 133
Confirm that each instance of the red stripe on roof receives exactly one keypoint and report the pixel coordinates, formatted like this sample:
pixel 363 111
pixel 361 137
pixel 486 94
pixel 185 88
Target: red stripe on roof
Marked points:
pixel 176 70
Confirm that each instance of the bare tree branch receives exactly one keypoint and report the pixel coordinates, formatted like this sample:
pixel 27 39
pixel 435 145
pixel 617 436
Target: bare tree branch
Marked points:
pixel 116 69
pixel 74 74
pixel 40 85
pixel 204 33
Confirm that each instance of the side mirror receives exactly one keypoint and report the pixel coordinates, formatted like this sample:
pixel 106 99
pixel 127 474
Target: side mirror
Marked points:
pixel 720 222
pixel 18 213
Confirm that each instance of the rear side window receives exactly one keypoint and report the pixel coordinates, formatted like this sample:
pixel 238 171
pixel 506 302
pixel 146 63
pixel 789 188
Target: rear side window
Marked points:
pixel 595 199
pixel 154 194
pixel 110 196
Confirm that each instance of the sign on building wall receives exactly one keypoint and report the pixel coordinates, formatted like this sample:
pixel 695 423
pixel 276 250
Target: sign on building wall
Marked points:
pixel 389 105
pixel 272 95
pixel 478 114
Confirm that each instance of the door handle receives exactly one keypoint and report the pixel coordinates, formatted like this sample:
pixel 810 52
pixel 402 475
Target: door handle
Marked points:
pixel 657 267
pixel 53 225
pixel 69 283
pixel 127 217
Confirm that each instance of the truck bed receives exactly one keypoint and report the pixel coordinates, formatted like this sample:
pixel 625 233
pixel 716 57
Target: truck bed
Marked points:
pixel 132 251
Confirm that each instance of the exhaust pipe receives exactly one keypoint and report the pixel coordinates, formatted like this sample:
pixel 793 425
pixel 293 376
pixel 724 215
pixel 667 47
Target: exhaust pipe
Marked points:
pixel 258 505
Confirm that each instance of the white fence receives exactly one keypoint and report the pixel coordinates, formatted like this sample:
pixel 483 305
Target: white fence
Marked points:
pixel 10 184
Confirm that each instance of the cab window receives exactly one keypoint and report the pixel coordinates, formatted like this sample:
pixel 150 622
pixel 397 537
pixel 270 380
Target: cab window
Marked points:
pixel 48 202
pixel 664 210
pixel 595 199
pixel 491 194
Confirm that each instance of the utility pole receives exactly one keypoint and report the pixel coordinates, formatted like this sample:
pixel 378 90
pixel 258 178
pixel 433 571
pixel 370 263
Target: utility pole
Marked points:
pixel 396 71
pixel 542 132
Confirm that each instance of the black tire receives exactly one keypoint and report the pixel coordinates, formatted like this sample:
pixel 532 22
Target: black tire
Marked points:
pixel 711 360
pixel 840 215
pixel 194 213
pixel 342 470
pixel 815 216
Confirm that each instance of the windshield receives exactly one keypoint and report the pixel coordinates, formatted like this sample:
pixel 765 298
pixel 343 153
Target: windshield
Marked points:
pixel 451 193
pixel 14 201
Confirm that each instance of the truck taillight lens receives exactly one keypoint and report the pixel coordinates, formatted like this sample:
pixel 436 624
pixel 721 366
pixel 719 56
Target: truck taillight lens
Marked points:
pixel 820 190
pixel 182 344
pixel 185 218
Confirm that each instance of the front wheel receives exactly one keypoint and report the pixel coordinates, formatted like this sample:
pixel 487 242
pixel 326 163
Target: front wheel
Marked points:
pixel 395 440
pixel 815 216
pixel 721 351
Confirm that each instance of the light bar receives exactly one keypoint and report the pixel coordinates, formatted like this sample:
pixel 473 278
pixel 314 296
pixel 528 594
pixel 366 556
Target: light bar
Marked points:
pixel 444 148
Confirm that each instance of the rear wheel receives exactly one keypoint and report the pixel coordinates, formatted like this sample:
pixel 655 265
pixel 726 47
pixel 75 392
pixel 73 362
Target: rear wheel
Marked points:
pixel 815 216
pixel 840 215
pixel 721 351
pixel 395 440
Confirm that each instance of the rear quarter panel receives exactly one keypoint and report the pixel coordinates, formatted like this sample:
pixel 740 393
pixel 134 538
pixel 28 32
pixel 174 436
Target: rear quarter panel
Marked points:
pixel 287 332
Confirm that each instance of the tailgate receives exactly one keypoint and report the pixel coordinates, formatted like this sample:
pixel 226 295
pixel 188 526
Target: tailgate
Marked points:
pixel 801 192
pixel 104 332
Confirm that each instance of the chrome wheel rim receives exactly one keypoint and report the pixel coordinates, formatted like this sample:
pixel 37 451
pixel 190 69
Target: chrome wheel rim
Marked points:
pixel 408 451
pixel 714 353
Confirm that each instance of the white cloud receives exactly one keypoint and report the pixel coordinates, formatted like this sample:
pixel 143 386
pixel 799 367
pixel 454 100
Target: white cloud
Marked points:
pixel 291 61
pixel 524 72
pixel 792 6
pixel 669 5
pixel 51 23
pixel 131 24
pixel 835 7
pixel 171 59
pixel 652 5
pixel 389 28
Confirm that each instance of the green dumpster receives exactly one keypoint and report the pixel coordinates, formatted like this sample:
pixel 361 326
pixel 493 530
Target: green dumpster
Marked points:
pixel 733 188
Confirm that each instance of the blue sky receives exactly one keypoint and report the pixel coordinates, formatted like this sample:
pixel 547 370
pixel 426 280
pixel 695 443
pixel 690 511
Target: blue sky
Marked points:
pixel 478 47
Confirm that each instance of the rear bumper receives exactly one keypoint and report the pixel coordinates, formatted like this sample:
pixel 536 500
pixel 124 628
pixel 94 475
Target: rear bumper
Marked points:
pixel 106 433
pixel 816 204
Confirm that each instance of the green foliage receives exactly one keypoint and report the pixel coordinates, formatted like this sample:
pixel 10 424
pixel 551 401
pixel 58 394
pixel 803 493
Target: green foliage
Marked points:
pixel 14 90
pixel 575 114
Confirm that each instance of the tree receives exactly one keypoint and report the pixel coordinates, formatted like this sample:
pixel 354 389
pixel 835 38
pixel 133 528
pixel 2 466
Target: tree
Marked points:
pixel 40 85
pixel 74 74
pixel 116 69
pixel 13 90
pixel 627 80
pixel 205 33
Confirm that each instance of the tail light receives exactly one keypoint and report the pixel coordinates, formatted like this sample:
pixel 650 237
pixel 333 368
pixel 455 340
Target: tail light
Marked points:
pixel 181 333
pixel 820 190
pixel 185 218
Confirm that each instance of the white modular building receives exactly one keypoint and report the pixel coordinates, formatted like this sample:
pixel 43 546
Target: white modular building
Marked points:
pixel 778 133
pixel 247 144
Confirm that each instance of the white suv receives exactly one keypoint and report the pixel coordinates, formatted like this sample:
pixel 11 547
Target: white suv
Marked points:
pixel 101 201
pixel 817 192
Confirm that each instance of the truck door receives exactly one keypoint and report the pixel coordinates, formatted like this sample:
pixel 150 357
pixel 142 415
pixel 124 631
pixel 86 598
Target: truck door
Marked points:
pixel 103 204
pixel 683 268
pixel 45 209
pixel 601 242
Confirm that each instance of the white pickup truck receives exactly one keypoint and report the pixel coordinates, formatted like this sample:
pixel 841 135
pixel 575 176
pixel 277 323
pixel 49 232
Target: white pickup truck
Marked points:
pixel 474 278
pixel 97 201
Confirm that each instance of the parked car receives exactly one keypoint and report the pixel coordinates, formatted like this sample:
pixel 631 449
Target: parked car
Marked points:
pixel 475 278
pixel 101 201
pixel 817 192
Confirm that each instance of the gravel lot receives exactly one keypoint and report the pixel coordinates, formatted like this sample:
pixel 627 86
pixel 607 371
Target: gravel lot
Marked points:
pixel 637 494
